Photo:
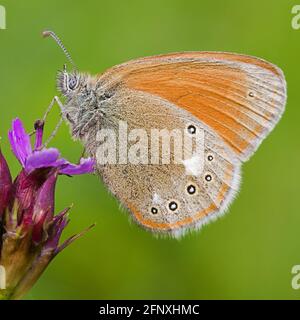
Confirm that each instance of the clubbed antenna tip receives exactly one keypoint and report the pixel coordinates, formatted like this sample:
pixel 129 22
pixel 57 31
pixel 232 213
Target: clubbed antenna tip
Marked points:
pixel 48 33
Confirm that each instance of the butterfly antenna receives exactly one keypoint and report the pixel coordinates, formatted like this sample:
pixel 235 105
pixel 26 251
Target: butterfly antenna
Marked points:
pixel 52 34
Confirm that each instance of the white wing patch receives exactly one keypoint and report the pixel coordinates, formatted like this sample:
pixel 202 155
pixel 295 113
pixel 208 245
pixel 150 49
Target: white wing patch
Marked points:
pixel 156 199
pixel 194 166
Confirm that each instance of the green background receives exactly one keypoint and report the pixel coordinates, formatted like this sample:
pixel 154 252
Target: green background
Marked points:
pixel 250 252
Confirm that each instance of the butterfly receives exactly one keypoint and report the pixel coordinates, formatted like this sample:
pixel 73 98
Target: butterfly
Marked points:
pixel 234 100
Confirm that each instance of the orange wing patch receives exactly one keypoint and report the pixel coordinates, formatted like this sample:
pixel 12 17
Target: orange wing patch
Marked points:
pixel 240 97
pixel 198 91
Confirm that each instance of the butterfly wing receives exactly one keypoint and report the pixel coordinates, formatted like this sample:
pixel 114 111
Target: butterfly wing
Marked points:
pixel 240 97
pixel 235 100
pixel 168 198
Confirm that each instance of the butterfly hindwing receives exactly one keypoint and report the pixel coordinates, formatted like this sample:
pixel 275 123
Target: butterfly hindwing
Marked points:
pixel 176 197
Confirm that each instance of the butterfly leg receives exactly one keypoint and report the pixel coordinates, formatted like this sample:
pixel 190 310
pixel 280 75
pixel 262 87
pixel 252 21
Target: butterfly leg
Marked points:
pixel 54 100
pixel 54 132
pixel 51 105
pixel 61 106
pixel 86 127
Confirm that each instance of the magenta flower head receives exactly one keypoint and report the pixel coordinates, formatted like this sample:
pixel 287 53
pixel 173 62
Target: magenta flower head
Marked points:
pixel 29 229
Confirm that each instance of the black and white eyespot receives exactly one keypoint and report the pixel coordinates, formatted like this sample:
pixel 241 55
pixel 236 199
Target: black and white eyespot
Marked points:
pixel 154 210
pixel 208 177
pixel 191 129
pixel 173 205
pixel 210 157
pixel 191 189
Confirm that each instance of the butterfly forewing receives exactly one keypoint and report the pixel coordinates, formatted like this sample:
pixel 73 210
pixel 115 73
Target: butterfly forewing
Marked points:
pixel 240 97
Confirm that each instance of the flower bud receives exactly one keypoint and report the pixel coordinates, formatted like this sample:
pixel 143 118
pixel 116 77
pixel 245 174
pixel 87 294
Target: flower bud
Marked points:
pixel 5 184
pixel 43 210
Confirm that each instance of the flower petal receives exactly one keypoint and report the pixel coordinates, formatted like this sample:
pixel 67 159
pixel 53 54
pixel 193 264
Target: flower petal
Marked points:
pixel 86 165
pixel 43 159
pixel 55 230
pixel 73 238
pixel 20 141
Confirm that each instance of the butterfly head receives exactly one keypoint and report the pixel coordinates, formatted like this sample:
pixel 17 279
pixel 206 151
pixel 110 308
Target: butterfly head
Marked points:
pixel 76 88
pixel 68 82
pixel 80 95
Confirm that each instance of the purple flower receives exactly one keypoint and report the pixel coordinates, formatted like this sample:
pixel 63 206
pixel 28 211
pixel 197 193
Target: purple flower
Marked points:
pixel 5 184
pixel 29 229
pixel 40 157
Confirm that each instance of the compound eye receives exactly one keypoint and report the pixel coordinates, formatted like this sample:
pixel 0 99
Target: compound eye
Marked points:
pixel 72 83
